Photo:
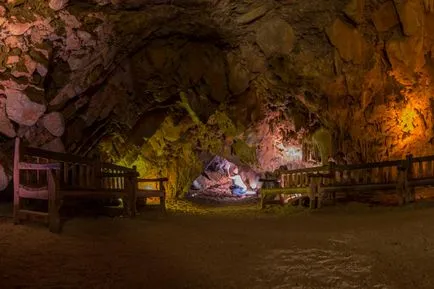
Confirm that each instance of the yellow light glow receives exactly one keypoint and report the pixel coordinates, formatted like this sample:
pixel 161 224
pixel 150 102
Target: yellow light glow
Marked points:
pixel 407 119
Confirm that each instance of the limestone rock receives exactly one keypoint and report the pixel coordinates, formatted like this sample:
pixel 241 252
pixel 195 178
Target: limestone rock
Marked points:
pixel 12 60
pixel 239 76
pixel 21 109
pixel 275 37
pixel 411 13
pixel 255 61
pixel 2 11
pixel 253 15
pixel 54 123
pixel 58 4
pixel 348 40
pixel 4 180
pixel 406 54
pixel 17 28
pixel 55 145
pixel 354 10
pixel 385 17
pixel 6 126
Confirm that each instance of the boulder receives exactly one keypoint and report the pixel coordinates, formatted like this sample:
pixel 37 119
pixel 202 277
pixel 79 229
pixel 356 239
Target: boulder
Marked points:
pixel 239 77
pixel 57 5
pixel 56 145
pixel 275 37
pixel 385 17
pixel 21 109
pixel 54 123
pixel 4 179
pixel 349 42
pixel 6 126
pixel 2 11
pixel 17 28
pixel 253 15
pixel 412 14
pixel 354 10
pixel 406 54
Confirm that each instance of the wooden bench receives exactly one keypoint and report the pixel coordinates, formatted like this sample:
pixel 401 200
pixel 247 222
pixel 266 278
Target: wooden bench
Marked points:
pixel 158 192
pixel 57 177
pixel 319 183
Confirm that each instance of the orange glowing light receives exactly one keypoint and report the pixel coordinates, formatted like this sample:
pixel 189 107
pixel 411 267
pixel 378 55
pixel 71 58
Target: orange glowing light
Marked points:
pixel 407 118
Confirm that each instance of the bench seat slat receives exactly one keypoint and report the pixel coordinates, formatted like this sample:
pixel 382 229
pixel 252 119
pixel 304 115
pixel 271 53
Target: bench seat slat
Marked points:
pixel 35 166
pixel 39 193
pixel 150 193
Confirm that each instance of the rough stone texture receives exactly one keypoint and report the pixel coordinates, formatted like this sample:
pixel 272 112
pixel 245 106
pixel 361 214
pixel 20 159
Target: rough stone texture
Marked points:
pixel 4 180
pixel 411 14
pixel 58 4
pixel 275 37
pixel 21 109
pixel 348 41
pixel 355 10
pixel 55 145
pixel 6 126
pixel 54 123
pixel 385 17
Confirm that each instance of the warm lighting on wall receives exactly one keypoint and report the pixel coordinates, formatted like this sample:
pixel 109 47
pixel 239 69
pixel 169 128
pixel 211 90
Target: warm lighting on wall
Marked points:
pixel 407 119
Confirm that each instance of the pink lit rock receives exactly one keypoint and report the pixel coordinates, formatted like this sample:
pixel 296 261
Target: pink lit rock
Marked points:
pixel 57 5
pixel 6 126
pixel 16 42
pixel 55 145
pixel 21 109
pixel 41 69
pixel 2 11
pixel 2 21
pixel 12 60
pixel 54 123
pixel 10 84
pixel 17 28
pixel 72 41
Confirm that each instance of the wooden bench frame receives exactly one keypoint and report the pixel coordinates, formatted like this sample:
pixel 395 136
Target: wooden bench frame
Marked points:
pixel 160 192
pixel 402 176
pixel 56 177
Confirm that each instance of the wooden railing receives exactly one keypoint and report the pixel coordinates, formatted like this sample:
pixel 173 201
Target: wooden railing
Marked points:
pixel 319 182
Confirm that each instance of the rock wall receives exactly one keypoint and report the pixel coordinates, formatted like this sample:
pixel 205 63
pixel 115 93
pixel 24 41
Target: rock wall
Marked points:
pixel 168 84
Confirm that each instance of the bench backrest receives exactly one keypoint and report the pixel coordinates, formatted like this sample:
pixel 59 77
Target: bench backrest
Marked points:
pixel 75 172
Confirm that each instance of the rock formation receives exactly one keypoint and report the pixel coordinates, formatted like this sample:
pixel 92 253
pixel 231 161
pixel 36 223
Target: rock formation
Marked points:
pixel 163 84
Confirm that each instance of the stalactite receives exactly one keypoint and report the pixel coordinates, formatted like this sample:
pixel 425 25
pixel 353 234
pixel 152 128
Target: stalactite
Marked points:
pixel 429 5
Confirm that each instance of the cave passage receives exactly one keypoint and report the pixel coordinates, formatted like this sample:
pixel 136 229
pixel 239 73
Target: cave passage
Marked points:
pixel 225 182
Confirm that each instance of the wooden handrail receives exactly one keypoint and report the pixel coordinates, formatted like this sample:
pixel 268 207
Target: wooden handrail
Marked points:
pixel 40 167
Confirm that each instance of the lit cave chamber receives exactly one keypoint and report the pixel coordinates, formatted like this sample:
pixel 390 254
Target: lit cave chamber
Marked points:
pixel 211 93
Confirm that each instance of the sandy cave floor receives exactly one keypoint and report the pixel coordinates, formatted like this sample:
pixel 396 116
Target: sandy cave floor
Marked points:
pixel 351 246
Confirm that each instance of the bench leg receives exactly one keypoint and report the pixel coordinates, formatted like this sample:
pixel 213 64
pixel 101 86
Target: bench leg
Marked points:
pixel 163 204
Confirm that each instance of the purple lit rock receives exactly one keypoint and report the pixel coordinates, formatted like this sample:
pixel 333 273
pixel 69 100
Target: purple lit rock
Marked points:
pixel 54 123
pixel 21 109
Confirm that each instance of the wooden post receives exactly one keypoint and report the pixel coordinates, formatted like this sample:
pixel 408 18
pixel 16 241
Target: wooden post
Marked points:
pixel 97 175
pixel 54 202
pixel 17 155
pixel 133 193
pixel 313 193
pixel 162 197
pixel 410 191
pixel 401 183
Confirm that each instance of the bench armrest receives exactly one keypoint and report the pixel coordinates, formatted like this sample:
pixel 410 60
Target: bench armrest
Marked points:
pixel 39 167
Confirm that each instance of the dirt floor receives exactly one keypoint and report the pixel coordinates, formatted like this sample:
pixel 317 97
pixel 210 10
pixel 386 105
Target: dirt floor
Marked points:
pixel 349 246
